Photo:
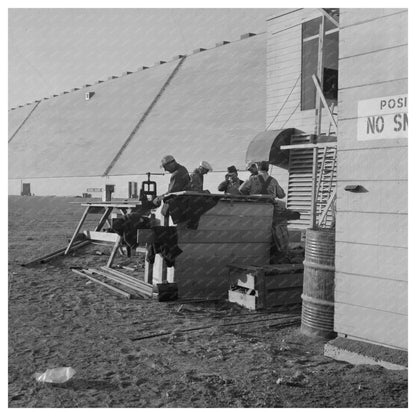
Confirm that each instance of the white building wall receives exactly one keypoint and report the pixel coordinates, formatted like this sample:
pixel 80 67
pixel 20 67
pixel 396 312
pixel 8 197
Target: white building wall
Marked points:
pixel 76 186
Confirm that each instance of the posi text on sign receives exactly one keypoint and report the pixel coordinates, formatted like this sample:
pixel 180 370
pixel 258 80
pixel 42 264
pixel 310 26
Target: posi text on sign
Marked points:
pixel 383 118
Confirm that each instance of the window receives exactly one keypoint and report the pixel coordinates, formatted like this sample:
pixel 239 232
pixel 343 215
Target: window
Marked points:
pixel 310 44
pixel 132 189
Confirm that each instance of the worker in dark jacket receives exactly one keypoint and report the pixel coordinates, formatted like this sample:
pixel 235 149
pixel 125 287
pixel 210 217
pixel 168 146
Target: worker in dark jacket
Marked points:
pixel 179 180
pixel 232 182
pixel 197 177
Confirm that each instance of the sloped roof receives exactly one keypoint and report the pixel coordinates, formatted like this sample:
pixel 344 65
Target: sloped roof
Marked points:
pixel 17 117
pixel 211 109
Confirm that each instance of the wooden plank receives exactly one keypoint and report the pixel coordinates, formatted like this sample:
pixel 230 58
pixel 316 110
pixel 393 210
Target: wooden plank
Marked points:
pixel 233 208
pixel 358 16
pixel 131 279
pixel 222 250
pixel 348 100
pixel 386 32
pixel 373 164
pixel 372 260
pixel 84 216
pixel 57 253
pixel 323 101
pixel 104 218
pixel 112 288
pixel 212 222
pixel 215 265
pixel 371 325
pixel 102 236
pixel 371 292
pixel 271 282
pixel 329 17
pixel 348 128
pixel 374 200
pixel 370 228
pixel 374 67
pixel 114 251
pixel 222 236
pixel 120 280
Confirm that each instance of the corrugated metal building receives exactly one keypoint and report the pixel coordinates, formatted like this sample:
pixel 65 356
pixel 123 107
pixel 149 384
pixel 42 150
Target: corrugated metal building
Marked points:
pixel 369 54
pixel 206 106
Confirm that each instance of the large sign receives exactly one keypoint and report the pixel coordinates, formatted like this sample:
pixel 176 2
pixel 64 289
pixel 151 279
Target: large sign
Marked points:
pixel 383 118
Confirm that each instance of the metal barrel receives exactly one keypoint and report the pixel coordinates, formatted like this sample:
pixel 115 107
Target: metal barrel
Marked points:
pixel 318 284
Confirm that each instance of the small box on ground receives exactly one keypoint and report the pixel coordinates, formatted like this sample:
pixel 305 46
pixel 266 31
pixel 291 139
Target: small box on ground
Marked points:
pixel 166 291
pixel 268 286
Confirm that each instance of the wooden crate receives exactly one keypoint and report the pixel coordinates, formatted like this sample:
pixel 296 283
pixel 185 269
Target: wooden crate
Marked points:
pixel 230 232
pixel 266 286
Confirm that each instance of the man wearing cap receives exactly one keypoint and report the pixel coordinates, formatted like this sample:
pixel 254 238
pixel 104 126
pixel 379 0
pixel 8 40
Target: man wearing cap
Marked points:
pixel 179 180
pixel 197 177
pixel 262 184
pixel 252 168
pixel 232 182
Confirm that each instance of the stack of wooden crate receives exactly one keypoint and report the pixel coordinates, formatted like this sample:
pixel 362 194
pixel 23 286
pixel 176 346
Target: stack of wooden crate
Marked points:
pixel 266 286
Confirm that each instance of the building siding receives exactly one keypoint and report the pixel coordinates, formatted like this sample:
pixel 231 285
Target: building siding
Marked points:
pixel 371 229
pixel 284 64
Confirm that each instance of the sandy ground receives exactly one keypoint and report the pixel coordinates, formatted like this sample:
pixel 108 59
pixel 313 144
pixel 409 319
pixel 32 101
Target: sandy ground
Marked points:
pixel 57 319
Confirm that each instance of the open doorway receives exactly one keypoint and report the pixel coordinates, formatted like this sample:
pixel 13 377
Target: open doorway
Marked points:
pixel 26 189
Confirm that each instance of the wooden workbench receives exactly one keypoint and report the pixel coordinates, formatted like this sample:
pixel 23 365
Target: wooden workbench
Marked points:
pixel 106 208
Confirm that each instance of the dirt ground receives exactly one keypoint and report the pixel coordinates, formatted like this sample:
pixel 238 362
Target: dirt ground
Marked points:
pixel 59 319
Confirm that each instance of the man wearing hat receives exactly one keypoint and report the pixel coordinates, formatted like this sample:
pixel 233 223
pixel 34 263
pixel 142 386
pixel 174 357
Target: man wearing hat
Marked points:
pixel 262 184
pixel 252 168
pixel 197 177
pixel 179 180
pixel 232 182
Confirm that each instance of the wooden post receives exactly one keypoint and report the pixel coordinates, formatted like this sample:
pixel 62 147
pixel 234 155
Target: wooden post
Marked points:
pixel 164 267
pixel 148 269
pixel 104 218
pixel 77 230
pixel 318 120
pixel 114 251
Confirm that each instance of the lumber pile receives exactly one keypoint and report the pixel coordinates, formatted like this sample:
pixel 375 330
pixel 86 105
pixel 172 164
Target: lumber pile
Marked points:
pixel 131 286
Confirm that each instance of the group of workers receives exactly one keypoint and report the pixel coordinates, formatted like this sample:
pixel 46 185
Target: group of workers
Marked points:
pixel 259 182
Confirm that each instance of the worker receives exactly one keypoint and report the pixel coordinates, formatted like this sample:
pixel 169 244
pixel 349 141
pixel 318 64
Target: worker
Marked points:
pixel 252 168
pixel 197 177
pixel 262 183
pixel 179 180
pixel 265 184
pixel 232 182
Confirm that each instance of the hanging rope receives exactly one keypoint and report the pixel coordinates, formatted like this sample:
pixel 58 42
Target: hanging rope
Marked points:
pixel 284 103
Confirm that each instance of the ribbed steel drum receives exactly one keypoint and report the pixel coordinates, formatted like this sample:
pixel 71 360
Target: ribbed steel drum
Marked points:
pixel 318 284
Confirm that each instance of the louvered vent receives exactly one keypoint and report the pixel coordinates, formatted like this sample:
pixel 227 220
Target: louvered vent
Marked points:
pixel 300 181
